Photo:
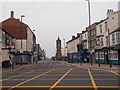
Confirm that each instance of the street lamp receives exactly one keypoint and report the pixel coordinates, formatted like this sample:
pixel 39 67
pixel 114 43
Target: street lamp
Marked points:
pixel 34 51
pixel 109 53
pixel 21 31
pixel 21 38
pixel 89 12
pixel 64 48
pixel 13 50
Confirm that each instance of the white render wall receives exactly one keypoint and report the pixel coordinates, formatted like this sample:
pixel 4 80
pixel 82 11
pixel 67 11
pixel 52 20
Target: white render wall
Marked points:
pixel 64 51
pixel 104 32
pixel 103 28
pixel 85 37
pixel 27 45
pixel 18 45
pixel 29 42
pixel 113 23
pixel 4 54
pixel 72 46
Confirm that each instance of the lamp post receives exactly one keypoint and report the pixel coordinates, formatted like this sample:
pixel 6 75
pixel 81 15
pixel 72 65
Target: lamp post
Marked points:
pixel 64 48
pixel 89 12
pixel 13 50
pixel 109 53
pixel 21 38
pixel 34 50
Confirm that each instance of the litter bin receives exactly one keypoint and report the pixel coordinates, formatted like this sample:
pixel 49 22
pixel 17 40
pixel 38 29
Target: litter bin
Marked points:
pixel 6 64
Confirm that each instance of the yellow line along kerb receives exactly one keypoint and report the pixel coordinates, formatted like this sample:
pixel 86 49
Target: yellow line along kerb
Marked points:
pixel 60 79
pixel 92 80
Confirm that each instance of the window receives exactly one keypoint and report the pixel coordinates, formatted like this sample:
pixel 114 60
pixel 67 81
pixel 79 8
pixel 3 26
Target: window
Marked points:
pixel 101 41
pixel 102 55
pixel 106 40
pixel 100 28
pixel 113 38
pixel 97 55
pixel 117 38
pixel 85 35
pixel 106 26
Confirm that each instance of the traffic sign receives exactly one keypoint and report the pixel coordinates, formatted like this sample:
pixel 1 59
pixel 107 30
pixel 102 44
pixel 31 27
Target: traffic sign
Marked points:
pixel 98 42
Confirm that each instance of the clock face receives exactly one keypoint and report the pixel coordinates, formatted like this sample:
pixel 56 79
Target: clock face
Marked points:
pixel 58 44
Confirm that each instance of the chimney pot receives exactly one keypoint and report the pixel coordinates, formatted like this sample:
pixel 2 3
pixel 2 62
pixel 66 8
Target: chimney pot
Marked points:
pixel 12 14
pixel 78 34
pixel 73 37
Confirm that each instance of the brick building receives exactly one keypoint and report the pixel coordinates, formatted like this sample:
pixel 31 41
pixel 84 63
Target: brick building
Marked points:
pixel 13 27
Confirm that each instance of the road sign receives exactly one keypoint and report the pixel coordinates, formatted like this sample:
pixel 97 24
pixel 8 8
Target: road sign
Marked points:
pixel 98 42
pixel 21 51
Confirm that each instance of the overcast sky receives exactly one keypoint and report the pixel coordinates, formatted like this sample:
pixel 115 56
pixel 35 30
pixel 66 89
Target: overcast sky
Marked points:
pixel 53 18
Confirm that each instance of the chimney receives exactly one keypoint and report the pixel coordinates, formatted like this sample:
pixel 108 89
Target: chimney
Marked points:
pixel 83 32
pixel 110 12
pixel 78 34
pixel 73 37
pixel 12 14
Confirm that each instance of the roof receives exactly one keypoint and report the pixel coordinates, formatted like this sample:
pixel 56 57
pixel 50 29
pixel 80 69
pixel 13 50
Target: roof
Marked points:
pixel 72 39
pixel 13 27
pixel 7 33
pixel 58 39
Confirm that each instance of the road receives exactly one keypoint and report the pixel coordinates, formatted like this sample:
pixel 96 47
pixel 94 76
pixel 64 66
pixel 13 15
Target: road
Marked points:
pixel 52 75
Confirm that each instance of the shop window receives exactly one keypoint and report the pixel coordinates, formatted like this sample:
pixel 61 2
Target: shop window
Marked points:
pixel 100 28
pixel 117 38
pixel 107 40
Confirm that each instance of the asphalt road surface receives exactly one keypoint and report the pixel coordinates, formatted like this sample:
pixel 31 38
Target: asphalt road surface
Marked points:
pixel 52 75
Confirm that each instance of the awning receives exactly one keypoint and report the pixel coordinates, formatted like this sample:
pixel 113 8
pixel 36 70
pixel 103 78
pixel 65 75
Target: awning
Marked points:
pixel 82 53
pixel 24 53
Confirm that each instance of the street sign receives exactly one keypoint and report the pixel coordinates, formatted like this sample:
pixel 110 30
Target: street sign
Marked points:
pixel 98 42
pixel 21 51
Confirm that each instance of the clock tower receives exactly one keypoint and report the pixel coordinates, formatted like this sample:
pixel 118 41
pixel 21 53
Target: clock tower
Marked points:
pixel 58 49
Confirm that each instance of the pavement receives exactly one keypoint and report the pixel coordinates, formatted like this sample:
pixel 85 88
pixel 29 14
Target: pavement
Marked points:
pixel 50 75
pixel 16 67
pixel 94 65
pixel 78 65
